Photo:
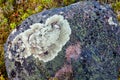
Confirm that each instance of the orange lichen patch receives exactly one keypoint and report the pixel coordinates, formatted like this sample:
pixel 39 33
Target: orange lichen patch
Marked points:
pixel 73 52
pixel 64 71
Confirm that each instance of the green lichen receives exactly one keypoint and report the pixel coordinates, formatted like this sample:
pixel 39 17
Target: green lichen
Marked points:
pixel 24 16
pixel 12 25
pixel 116 8
pixel 38 9
pixel 67 2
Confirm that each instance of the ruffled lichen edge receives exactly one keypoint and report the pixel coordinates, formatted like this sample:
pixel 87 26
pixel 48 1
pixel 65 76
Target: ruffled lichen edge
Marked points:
pixel 42 40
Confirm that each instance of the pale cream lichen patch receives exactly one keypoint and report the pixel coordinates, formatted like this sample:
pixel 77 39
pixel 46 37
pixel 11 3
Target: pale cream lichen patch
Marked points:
pixel 43 41
pixel 110 21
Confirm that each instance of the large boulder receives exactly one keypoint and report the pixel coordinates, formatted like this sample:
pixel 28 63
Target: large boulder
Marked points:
pixel 77 42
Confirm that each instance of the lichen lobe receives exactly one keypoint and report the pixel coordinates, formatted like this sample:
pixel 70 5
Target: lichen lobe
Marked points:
pixel 43 41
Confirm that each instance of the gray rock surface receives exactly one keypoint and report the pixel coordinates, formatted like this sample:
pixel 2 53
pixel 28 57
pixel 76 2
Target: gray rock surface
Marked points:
pixel 92 52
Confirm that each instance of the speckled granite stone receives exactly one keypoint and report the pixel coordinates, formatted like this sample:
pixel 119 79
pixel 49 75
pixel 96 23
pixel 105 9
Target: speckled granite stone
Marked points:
pixel 92 53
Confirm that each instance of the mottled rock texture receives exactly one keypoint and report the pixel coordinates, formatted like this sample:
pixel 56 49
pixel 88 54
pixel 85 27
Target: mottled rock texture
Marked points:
pixel 92 52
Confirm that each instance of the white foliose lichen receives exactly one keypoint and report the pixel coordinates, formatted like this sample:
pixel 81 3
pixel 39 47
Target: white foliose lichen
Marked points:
pixel 111 22
pixel 43 41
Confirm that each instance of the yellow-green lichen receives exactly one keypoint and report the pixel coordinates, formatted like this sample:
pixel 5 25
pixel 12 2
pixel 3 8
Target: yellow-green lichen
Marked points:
pixel 12 25
pixel 116 8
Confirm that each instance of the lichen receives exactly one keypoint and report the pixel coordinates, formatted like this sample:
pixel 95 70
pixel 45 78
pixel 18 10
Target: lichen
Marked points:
pixel 12 25
pixel 110 21
pixel 28 6
pixel 43 41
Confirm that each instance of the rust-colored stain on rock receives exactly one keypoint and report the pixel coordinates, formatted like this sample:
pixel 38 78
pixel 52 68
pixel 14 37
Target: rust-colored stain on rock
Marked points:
pixel 64 70
pixel 73 51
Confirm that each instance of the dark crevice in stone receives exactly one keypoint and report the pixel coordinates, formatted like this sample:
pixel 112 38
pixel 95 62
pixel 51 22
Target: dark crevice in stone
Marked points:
pixel 13 73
